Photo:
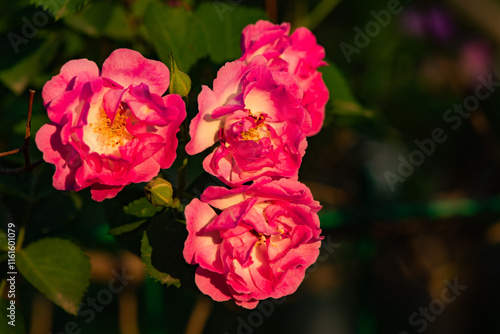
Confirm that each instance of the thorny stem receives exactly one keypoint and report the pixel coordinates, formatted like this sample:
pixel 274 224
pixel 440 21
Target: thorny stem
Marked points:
pixel 28 166
pixel 4 154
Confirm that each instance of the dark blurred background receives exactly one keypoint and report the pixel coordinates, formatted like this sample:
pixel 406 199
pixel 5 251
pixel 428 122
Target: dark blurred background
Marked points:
pixel 412 240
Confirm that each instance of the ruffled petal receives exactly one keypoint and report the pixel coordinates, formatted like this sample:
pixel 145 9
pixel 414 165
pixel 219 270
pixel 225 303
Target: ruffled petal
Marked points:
pixel 128 67
pixel 100 192
pixel 63 81
pixel 211 284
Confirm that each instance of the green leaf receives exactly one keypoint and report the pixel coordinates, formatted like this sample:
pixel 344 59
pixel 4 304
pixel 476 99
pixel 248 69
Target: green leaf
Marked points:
pixel 118 26
pixel 102 19
pixel 167 236
pixel 5 328
pixel 141 208
pixel 194 35
pixel 175 30
pixel 342 101
pixel 146 251
pixel 57 268
pixel 126 228
pixel 336 83
pixel 60 8
pixel 139 7
pixel 223 34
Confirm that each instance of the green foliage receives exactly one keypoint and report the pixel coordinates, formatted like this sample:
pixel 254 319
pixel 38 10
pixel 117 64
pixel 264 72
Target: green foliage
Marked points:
pixel 222 35
pixel 342 100
pixel 5 328
pixel 146 251
pixel 57 268
pixel 344 109
pixel 126 227
pixel 102 19
pixel 141 208
pixel 166 236
pixel 191 36
pixel 60 8
pixel 337 84
pixel 177 31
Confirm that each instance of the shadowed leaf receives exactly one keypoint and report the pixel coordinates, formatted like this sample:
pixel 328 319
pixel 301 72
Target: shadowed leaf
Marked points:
pixel 141 208
pixel 163 278
pixel 126 228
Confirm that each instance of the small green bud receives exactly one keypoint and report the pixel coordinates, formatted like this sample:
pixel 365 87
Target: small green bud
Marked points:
pixel 159 192
pixel 180 82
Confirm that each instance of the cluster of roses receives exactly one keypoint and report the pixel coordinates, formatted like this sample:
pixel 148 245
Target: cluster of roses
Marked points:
pixel 113 127
pixel 260 111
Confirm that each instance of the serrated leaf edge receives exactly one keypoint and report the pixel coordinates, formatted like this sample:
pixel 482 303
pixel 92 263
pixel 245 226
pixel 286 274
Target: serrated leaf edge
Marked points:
pixel 143 240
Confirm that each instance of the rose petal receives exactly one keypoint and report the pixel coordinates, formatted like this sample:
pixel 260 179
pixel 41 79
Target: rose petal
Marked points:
pixel 212 284
pixel 129 67
pixel 203 128
pixel 59 83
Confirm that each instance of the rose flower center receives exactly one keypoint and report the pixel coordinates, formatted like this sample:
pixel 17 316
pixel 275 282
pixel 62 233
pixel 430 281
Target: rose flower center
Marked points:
pixel 256 133
pixel 112 133
pixel 106 136
pixel 259 130
pixel 261 237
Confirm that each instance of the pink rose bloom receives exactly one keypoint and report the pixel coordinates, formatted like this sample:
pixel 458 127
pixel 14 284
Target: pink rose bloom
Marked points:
pixel 259 246
pixel 112 128
pixel 299 54
pixel 256 116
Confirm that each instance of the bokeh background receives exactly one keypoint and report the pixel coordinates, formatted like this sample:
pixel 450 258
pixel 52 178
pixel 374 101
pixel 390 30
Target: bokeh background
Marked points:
pixel 389 250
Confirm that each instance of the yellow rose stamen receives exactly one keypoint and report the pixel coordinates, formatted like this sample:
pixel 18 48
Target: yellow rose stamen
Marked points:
pixel 111 134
